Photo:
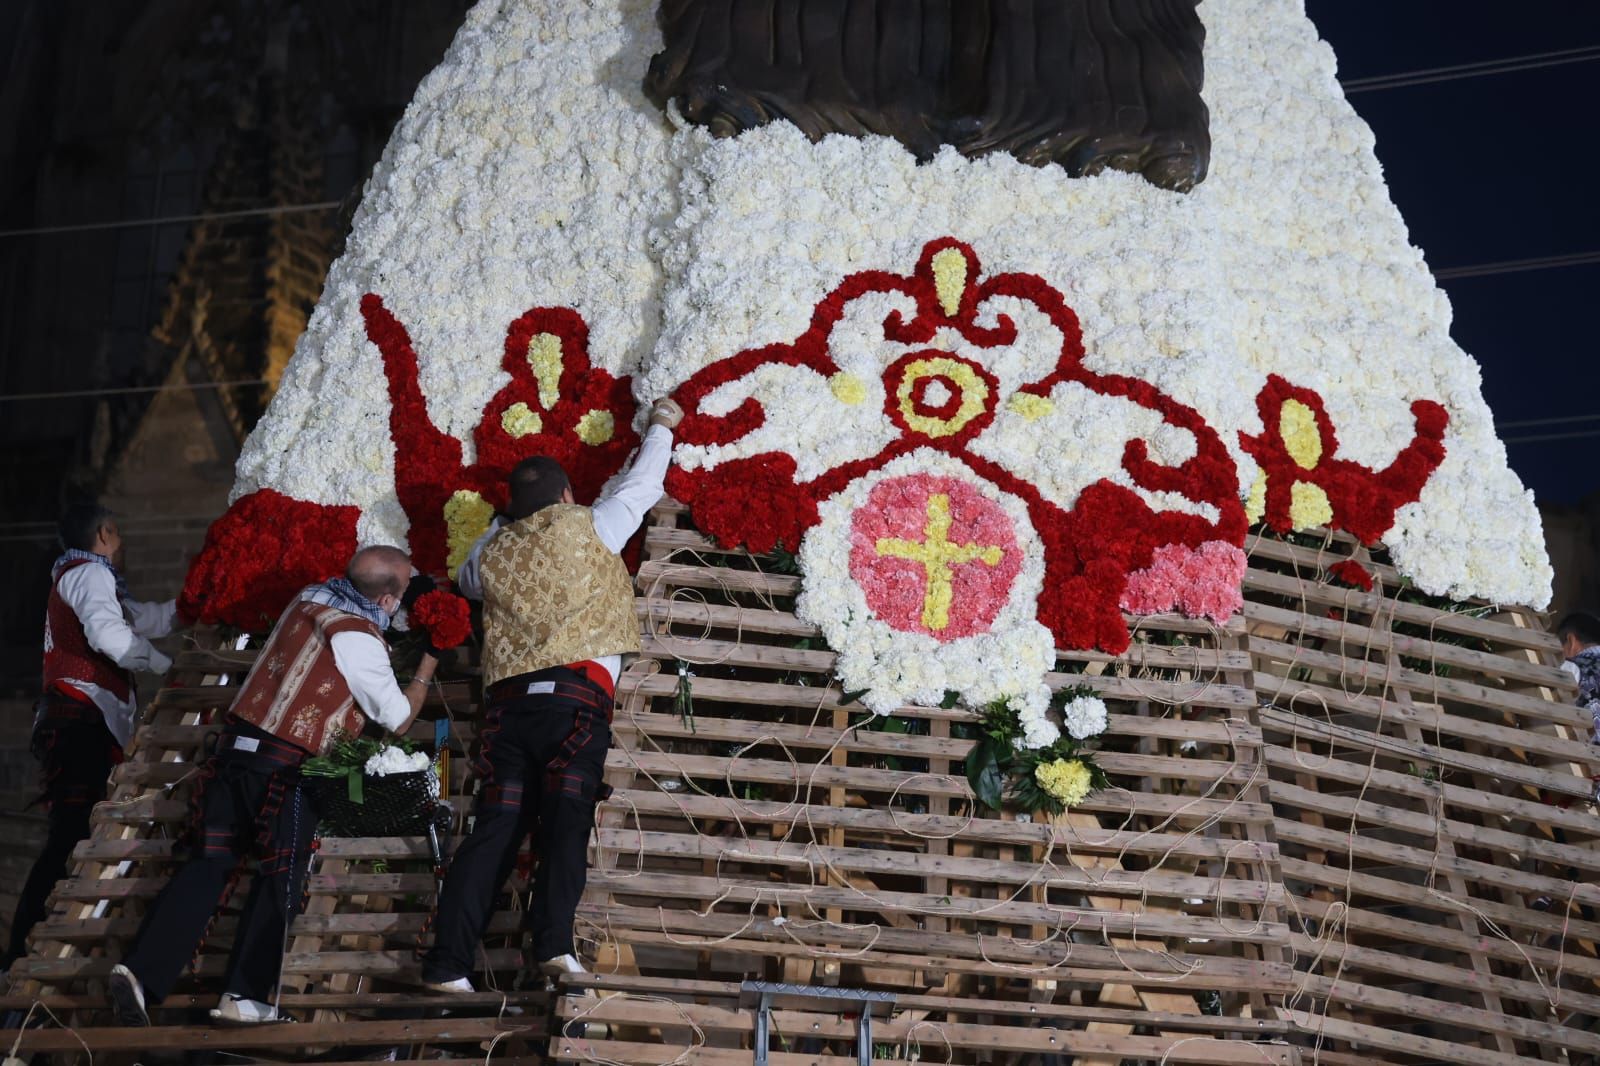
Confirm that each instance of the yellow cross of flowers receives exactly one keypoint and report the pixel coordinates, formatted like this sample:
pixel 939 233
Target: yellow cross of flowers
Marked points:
pixel 938 556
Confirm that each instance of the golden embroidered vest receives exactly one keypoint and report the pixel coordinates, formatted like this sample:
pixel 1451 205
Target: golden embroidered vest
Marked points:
pixel 553 594
pixel 295 690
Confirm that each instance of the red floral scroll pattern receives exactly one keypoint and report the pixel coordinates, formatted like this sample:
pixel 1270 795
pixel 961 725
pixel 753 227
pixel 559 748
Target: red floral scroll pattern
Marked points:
pixel 1363 500
pixel 263 550
pixel 428 465
pixel 1090 550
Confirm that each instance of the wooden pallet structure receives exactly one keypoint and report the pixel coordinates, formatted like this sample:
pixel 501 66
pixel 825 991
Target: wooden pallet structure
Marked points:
pixel 1345 827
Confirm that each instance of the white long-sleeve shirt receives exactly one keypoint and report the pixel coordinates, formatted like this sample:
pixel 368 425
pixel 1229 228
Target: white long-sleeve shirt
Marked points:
pixel 119 629
pixel 622 505
pixel 363 661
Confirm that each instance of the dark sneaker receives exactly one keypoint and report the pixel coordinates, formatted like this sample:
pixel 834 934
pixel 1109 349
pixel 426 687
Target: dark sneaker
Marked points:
pixel 127 997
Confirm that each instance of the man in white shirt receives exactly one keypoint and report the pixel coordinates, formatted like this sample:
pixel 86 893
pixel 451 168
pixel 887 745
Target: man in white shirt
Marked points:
pixel 558 617
pixel 322 674
pixel 95 638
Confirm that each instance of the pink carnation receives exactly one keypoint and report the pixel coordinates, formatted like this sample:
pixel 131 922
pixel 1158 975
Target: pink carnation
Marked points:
pixel 1203 582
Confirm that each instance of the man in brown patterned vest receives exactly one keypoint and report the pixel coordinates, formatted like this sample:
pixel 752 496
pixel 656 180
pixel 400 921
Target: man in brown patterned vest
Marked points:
pixel 557 618
pixel 323 672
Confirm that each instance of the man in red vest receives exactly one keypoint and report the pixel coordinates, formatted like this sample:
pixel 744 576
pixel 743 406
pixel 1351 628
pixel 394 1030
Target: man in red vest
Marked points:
pixel 323 672
pixel 95 638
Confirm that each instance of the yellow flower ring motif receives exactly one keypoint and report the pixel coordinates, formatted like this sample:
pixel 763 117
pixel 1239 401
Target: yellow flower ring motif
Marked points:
pixel 939 396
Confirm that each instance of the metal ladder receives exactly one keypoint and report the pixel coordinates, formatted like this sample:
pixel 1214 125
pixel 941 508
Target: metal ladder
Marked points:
pixel 764 996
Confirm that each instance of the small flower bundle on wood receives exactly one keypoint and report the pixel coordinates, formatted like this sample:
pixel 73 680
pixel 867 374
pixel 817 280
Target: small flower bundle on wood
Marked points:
pixel 1053 777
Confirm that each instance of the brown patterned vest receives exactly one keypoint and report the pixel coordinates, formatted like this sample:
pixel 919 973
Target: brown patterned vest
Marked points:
pixel 553 594
pixel 295 691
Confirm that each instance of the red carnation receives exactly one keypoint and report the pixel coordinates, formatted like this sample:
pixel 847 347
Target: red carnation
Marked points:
pixel 1349 572
pixel 260 553
pixel 445 617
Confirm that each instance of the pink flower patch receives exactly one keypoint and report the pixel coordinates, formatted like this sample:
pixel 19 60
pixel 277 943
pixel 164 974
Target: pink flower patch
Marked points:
pixel 1203 582
pixel 933 556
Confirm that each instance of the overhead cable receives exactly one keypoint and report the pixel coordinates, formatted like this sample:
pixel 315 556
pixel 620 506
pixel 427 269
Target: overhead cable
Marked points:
pixel 130 223
pixel 1517 266
pixel 1505 65
pixel 1525 423
pixel 1552 436
pixel 129 390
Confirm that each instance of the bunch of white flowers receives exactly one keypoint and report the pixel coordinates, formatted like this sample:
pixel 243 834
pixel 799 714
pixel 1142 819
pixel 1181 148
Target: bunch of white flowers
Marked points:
pixel 1084 717
pixel 392 760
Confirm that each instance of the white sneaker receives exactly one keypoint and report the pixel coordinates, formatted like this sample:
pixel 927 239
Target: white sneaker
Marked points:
pixel 237 1010
pixel 562 966
pixel 459 986
pixel 127 997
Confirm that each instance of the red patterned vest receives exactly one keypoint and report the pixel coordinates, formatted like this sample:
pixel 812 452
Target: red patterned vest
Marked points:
pixel 67 654
pixel 295 691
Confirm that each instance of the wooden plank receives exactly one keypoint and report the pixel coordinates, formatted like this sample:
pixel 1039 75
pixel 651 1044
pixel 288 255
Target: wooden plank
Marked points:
pixel 991 871
pixel 1284 722
pixel 155 1038
pixel 1358 635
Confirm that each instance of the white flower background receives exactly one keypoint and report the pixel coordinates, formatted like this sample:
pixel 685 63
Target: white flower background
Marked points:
pixel 530 170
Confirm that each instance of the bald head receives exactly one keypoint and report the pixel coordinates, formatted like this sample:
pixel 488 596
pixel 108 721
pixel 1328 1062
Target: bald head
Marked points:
pixel 379 571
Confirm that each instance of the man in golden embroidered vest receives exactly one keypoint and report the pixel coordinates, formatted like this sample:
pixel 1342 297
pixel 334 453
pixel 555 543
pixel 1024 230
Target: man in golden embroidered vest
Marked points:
pixel 557 618
pixel 323 672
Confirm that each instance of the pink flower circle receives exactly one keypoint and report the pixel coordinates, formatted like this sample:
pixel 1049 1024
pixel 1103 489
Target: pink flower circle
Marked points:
pixel 933 555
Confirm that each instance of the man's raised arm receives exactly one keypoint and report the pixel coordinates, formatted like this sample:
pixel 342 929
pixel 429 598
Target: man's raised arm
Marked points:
pixel 618 513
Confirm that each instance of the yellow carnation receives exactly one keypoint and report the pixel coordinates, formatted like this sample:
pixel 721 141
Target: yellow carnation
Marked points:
pixel 847 387
pixel 596 427
pixel 520 420
pixel 1067 780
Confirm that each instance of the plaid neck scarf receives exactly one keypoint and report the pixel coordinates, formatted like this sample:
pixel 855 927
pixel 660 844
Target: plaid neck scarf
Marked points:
pixel 340 593
pixel 73 555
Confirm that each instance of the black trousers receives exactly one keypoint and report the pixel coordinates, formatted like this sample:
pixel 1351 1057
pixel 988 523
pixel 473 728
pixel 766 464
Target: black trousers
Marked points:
pixel 540 764
pixel 251 803
pixel 76 752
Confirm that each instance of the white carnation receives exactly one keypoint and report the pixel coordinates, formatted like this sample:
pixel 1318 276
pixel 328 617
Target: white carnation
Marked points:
pixel 392 760
pixel 1084 717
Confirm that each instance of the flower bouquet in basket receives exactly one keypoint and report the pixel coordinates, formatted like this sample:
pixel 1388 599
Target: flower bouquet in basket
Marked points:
pixel 374 788
pixel 1054 775
pixel 377 788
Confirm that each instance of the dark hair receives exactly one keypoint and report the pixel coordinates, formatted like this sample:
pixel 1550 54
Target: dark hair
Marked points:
pixel 379 571
pixel 1582 624
pixel 80 525
pixel 536 483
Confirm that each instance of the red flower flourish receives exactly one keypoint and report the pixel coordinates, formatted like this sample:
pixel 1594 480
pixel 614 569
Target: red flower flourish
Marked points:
pixel 555 404
pixel 265 548
pixel 446 617
pixel 1299 457
pixel 1090 549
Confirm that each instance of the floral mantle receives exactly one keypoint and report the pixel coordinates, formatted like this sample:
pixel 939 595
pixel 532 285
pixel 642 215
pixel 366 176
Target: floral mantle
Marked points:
pixel 993 409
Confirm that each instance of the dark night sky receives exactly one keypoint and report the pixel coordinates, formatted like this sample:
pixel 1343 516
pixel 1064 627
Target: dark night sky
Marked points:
pixel 1496 168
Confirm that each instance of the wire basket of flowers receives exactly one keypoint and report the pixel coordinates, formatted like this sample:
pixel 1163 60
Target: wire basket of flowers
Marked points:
pixel 365 787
